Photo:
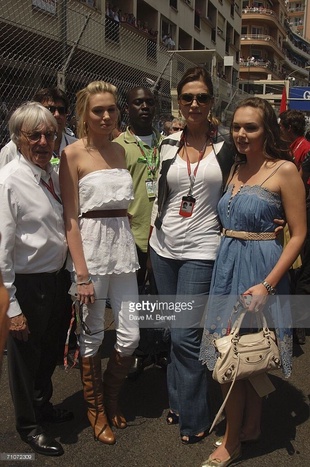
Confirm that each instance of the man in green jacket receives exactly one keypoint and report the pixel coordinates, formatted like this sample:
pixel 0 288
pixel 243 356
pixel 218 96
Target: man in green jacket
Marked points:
pixel 141 141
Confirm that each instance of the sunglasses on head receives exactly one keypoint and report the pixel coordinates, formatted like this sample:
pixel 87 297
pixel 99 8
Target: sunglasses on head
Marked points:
pixel 201 98
pixel 61 110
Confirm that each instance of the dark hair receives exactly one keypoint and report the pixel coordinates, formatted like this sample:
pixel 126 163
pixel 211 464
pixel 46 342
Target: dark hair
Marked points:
pixel 294 119
pixel 53 94
pixel 274 146
pixel 197 73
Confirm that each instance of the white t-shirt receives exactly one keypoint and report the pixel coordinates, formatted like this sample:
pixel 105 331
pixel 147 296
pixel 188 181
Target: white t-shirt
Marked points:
pixel 198 236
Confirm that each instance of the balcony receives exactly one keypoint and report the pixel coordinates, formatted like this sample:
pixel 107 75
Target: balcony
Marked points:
pixel 296 9
pixel 260 67
pixel 299 48
pixel 256 63
pixel 256 10
pixel 258 38
pixel 300 67
pixel 268 16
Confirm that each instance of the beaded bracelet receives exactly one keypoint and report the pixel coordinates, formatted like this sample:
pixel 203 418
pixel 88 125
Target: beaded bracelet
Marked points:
pixel 85 283
pixel 271 290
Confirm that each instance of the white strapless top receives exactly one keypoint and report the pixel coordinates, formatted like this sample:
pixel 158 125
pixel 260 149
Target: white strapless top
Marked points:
pixel 105 189
pixel 108 243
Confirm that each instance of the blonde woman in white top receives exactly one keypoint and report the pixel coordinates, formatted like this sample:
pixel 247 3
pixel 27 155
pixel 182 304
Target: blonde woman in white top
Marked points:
pixel 96 190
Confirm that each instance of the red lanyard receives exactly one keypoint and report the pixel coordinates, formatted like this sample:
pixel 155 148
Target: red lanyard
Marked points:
pixel 191 176
pixel 51 189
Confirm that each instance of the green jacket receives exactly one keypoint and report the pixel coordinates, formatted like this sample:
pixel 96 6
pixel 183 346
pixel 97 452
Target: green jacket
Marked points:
pixel 141 208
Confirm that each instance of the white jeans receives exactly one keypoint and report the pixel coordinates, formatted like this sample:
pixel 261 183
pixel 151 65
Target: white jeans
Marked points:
pixel 120 288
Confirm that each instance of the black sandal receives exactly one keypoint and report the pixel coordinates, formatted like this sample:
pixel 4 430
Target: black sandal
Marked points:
pixel 192 439
pixel 172 418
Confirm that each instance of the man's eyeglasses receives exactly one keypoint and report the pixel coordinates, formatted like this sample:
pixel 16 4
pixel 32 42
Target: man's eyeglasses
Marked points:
pixel 202 98
pixel 37 135
pixel 176 128
pixel 61 110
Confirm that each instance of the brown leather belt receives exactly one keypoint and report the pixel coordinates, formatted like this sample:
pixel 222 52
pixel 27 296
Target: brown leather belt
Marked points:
pixel 242 235
pixel 105 213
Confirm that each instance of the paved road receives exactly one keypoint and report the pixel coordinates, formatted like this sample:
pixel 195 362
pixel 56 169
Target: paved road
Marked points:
pixel 148 441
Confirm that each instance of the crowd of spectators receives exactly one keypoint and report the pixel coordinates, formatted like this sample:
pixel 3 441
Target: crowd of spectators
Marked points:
pixel 256 9
pixel 115 13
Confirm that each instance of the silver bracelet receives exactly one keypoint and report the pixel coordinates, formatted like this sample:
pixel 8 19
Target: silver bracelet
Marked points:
pixel 89 281
pixel 271 290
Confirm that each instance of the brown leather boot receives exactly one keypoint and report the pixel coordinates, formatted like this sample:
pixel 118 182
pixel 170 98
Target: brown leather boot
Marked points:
pixel 113 378
pixel 93 395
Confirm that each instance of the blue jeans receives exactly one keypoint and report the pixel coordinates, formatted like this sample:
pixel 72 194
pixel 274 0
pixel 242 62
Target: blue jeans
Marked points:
pixel 186 376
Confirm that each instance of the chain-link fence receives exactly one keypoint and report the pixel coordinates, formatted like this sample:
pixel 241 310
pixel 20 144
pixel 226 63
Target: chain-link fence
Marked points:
pixel 67 44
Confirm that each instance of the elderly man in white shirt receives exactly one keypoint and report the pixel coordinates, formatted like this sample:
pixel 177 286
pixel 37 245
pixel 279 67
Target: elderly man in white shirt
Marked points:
pixel 55 101
pixel 33 249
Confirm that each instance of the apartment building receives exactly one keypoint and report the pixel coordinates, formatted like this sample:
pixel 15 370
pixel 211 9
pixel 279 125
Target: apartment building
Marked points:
pixel 298 15
pixel 128 42
pixel 272 53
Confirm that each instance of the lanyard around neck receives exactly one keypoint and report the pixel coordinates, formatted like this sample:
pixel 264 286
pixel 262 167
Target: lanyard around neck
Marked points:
pixel 50 187
pixel 149 156
pixel 192 176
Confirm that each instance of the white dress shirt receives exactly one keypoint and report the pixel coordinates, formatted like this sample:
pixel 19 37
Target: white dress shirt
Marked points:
pixel 31 224
pixel 8 153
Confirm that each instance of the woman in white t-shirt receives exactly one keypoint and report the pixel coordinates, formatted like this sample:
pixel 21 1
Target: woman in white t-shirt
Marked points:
pixel 184 243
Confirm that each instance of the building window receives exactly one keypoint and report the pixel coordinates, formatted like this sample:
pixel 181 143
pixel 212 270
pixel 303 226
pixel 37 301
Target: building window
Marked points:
pixel 91 3
pixel 174 4
pixel 197 19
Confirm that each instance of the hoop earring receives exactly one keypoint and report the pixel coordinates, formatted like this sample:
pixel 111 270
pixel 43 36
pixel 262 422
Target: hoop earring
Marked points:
pixel 85 127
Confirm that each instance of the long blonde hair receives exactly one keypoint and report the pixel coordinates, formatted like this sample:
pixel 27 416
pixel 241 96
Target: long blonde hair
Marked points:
pixel 95 87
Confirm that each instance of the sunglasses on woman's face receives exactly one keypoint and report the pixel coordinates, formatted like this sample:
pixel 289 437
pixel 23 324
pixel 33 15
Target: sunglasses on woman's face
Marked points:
pixel 201 99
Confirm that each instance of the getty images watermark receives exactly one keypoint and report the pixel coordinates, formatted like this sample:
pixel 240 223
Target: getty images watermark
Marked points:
pixel 190 311
pixel 168 311
pixel 158 310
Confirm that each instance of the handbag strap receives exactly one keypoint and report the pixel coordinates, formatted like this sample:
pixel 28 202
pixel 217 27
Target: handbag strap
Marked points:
pixel 235 333
pixel 217 416
pixel 261 320
pixel 74 317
